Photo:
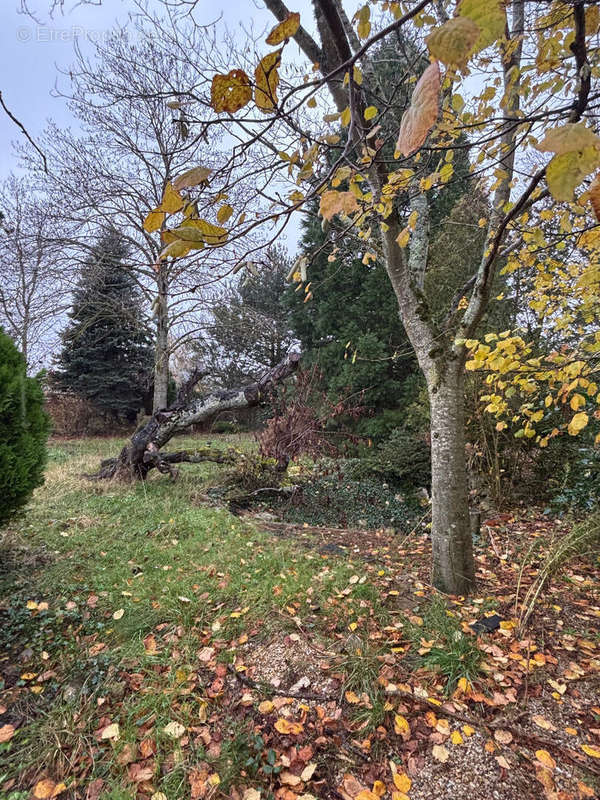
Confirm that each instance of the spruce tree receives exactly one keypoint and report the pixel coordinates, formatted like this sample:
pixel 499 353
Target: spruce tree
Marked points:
pixel 106 355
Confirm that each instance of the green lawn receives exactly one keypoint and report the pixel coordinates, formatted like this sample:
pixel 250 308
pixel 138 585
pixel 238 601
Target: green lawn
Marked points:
pixel 112 562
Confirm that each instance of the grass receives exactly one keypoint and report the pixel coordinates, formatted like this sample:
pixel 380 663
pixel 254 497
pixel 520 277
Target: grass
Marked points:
pixel 444 647
pixel 112 562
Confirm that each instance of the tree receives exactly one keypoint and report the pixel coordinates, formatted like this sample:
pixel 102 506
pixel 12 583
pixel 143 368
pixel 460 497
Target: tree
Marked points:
pixel 107 354
pixel 539 97
pixel 24 430
pixel 249 330
pixel 34 289
pixel 132 142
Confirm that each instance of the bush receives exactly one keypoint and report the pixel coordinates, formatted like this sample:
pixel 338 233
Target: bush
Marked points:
pixel 334 495
pixel 24 428
pixel 224 426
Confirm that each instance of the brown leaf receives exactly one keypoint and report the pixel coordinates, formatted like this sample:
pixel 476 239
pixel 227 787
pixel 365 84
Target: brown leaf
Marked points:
pixel 503 737
pixel 422 113
pixel 140 772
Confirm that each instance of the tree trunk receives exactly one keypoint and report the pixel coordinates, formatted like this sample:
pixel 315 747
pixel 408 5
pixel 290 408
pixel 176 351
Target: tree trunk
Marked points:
pixel 143 453
pixel 161 351
pixel 453 567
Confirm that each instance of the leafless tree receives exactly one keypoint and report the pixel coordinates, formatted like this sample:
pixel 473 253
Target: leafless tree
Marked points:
pixel 34 291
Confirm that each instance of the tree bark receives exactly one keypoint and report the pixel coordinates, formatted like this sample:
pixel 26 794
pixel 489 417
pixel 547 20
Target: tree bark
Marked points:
pixel 143 453
pixel 453 567
pixel 161 350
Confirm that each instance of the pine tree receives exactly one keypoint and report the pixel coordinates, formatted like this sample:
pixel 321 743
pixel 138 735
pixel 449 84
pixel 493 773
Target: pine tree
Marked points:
pixel 106 355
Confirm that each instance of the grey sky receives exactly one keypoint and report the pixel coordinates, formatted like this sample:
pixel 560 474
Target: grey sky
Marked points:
pixel 31 53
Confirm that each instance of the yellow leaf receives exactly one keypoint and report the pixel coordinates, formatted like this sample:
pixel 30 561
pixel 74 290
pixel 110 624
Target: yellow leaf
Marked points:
pixel 401 726
pixel 468 730
pixel 352 697
pixel 111 732
pixel 224 213
pixel 154 220
pixel 402 782
pixel 229 93
pixel 577 401
pixel 578 423
pixel 566 171
pixel 174 729
pixel 333 203
pixel 265 707
pixel 289 728
pixel 544 757
pixel 590 750
pixel 454 41
pixel 199 230
pixel 172 201
pixel 266 76
pixel 285 30
pixel 176 249
pixel 456 738
pixel 569 137
pixel 370 112
pixel 422 113
pixel 489 16
pixel 364 24
pixel 379 788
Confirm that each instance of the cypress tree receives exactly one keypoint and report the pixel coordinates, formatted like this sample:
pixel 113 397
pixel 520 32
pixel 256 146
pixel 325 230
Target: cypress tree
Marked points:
pixel 106 355
pixel 24 427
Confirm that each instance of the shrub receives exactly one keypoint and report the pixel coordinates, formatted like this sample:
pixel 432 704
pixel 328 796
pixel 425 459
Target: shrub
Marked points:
pixel 224 426
pixel 24 428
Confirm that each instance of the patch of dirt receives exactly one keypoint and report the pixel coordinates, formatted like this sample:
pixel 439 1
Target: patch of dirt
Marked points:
pixel 290 663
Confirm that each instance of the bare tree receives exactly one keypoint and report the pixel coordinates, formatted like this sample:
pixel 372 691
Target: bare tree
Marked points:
pixel 34 291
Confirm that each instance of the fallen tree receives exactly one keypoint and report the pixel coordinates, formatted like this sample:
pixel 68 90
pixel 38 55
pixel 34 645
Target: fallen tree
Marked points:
pixel 144 451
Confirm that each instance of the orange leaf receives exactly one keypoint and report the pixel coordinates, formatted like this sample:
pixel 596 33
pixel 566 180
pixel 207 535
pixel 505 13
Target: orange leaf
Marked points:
pixel 290 728
pixel 7 732
pixel 230 92
pixel 422 113
pixel 44 789
pixel 333 202
pixel 594 196
pixel 285 30
pixel 352 697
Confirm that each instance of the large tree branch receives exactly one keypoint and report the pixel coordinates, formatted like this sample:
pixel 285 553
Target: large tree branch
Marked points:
pixel 143 452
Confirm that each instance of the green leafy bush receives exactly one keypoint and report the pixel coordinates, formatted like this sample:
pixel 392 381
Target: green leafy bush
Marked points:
pixel 224 426
pixel 335 495
pixel 24 427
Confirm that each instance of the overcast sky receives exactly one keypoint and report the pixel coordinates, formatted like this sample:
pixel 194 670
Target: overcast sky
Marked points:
pixel 31 52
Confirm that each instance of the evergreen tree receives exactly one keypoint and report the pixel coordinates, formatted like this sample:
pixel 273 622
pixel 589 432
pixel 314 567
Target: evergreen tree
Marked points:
pixel 24 427
pixel 106 355
pixel 249 331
